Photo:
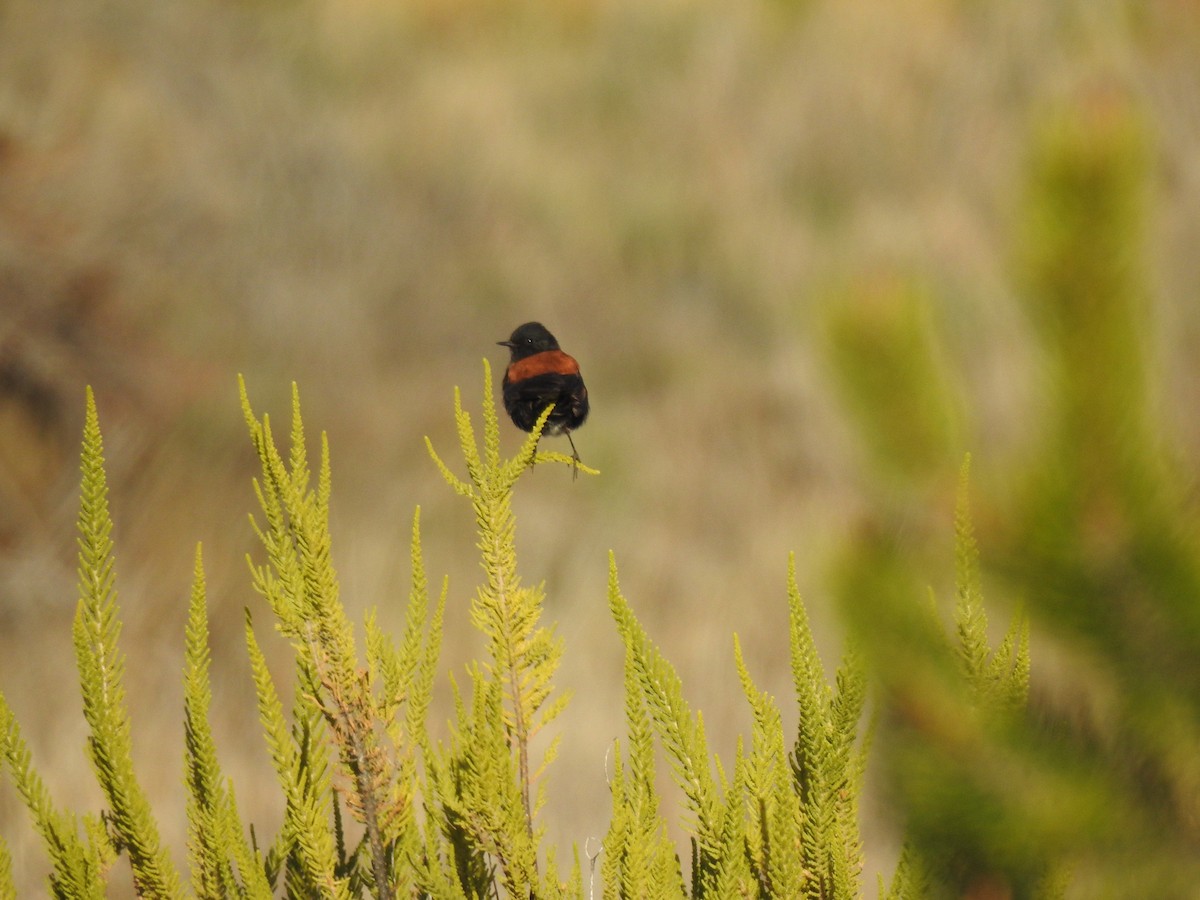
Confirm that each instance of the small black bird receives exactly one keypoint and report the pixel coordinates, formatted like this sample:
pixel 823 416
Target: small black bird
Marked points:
pixel 540 374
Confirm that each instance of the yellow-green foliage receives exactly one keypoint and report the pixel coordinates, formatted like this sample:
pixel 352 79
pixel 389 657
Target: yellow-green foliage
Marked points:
pixel 827 764
pixel 639 859
pixel 988 690
pixel 998 680
pixel 222 861
pixel 787 824
pixel 453 819
pixel 333 698
pixel 1104 543
pixel 373 806
pixel 1092 534
pixel 78 864
pixel 457 817
pixel 8 890
pixel 486 778
pixel 101 671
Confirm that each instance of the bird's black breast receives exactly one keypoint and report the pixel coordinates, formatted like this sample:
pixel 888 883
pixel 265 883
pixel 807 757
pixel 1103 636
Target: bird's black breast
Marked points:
pixel 527 398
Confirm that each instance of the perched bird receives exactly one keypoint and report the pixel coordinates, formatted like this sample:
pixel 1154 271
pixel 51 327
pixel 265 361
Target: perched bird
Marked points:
pixel 538 374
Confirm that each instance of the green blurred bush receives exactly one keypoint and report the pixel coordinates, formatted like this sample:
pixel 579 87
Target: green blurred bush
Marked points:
pixel 1096 785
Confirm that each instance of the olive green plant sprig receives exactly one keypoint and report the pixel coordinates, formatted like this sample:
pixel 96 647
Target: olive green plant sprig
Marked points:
pixel 371 714
pixel 79 863
pixel 101 671
pixel 787 823
pixel 488 780
pixel 222 860
pixel 986 694
pixel 8 890
pixel 998 679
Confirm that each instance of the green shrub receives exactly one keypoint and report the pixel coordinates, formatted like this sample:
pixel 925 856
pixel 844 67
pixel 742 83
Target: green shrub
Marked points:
pixel 373 806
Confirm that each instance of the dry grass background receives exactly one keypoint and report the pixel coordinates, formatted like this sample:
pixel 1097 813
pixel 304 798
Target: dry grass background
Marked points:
pixel 363 196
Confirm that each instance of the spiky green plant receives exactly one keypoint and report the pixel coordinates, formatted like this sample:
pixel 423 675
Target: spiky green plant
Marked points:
pixel 998 679
pixel 8 890
pixel 453 820
pixel 101 673
pixel 371 713
pixel 787 823
pixel 490 758
pixel 828 760
pixel 1093 534
pixel 639 859
pixel 299 583
pixel 988 691
pixel 223 862
pixel 78 864
pixel 681 733
pixel 373 806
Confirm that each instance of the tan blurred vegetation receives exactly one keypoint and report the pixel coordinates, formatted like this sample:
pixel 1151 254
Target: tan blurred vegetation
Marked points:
pixel 364 196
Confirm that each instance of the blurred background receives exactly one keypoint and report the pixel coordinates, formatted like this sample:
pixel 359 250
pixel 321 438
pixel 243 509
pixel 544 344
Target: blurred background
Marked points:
pixel 749 222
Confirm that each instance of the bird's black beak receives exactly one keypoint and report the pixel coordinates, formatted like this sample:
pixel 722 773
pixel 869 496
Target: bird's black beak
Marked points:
pixel 507 344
